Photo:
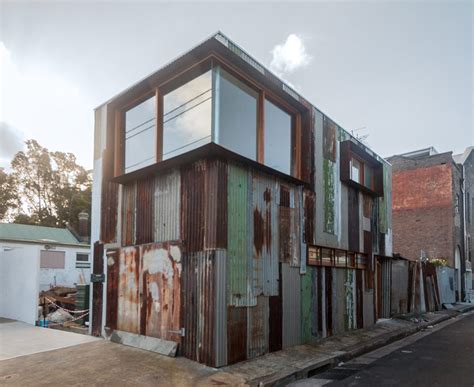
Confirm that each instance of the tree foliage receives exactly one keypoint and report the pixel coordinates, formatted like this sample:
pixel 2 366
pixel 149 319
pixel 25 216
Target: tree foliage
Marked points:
pixel 50 187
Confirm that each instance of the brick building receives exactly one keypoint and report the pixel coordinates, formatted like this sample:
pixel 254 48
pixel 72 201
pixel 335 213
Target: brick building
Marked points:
pixel 430 209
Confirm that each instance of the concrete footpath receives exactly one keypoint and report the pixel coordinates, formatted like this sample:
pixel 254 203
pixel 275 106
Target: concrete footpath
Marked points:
pixel 283 367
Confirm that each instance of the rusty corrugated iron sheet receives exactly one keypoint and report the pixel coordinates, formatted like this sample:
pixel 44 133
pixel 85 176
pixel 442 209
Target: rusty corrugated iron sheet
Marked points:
pixel 236 334
pixel 193 202
pixel 258 328
pixel 128 308
pixel 239 236
pixel 216 204
pixel 202 317
pixel 265 199
pixel 108 208
pixel 160 293
pixel 167 207
pixel 129 199
pixel 146 282
pixel 144 207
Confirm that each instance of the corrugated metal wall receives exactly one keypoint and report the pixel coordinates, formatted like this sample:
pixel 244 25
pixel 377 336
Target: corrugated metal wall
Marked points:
pixel 167 204
pixel 245 287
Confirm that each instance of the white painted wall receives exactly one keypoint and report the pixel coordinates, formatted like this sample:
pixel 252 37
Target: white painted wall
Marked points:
pixel 69 276
pixel 19 282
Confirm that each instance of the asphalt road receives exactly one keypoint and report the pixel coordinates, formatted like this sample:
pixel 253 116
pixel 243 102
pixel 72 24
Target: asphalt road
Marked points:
pixel 443 358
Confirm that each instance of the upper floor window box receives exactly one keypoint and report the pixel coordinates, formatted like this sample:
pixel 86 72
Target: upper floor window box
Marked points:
pixel 210 101
pixel 361 170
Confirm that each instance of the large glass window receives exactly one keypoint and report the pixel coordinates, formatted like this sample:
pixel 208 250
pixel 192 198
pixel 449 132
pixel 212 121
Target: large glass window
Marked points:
pixel 187 115
pixel 237 115
pixel 140 135
pixel 277 138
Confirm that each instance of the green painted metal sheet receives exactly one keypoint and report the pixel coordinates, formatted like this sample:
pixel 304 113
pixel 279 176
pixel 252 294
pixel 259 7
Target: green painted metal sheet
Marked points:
pixel 238 237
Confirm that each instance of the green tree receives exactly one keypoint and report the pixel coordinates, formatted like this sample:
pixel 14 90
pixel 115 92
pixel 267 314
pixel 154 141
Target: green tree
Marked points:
pixel 7 195
pixel 52 188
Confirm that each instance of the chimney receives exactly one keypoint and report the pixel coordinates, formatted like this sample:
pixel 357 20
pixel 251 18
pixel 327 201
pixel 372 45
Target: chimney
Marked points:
pixel 84 226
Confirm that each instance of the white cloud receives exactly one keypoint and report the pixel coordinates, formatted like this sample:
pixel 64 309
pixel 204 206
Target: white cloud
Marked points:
pixel 289 56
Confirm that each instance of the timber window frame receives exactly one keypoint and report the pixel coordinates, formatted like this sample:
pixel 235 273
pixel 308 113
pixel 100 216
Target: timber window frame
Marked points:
pixel 177 79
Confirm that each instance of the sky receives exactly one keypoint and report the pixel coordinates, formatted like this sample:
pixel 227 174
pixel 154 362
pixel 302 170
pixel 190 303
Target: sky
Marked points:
pixel 398 73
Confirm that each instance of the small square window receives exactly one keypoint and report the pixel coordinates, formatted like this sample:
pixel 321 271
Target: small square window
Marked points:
pixel 82 261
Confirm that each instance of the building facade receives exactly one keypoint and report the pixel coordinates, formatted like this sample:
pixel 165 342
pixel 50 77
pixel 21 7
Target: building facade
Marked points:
pixel 430 213
pixel 234 218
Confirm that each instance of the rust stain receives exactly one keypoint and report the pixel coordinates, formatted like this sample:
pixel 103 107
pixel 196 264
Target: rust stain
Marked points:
pixel 267 195
pixel 268 229
pixel 258 231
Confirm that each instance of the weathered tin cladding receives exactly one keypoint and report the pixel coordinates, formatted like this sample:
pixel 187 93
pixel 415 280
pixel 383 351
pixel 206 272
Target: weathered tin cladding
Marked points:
pixel 167 206
pixel 216 205
pixel 129 199
pixel 290 226
pixel 239 236
pixel 160 291
pixel 203 205
pixel 265 198
pixel 144 219
pixel 108 208
pixel 128 308
pixel 148 290
pixel 258 328
pixel 291 297
pixel 203 309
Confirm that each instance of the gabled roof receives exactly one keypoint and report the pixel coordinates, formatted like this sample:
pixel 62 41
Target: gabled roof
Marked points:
pixel 14 232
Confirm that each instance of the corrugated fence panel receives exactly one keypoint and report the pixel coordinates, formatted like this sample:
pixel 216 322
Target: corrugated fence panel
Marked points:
pixel 144 218
pixel 291 293
pixel 216 205
pixel 265 235
pixel 128 214
pixel 193 196
pixel 236 334
pixel 239 260
pixel 160 291
pixel 167 207
pixel 257 328
pixel 128 313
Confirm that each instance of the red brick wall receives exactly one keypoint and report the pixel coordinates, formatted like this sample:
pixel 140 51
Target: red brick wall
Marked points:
pixel 422 211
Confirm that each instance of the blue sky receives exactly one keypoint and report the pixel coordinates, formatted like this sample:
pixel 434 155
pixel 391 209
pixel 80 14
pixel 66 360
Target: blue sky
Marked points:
pixel 401 71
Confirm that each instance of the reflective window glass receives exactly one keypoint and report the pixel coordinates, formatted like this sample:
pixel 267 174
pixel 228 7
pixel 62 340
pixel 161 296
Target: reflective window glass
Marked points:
pixel 140 135
pixel 277 138
pixel 187 115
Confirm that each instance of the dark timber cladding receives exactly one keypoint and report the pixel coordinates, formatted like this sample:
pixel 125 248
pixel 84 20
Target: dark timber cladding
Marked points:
pixel 353 219
pixel 145 211
pixel 112 288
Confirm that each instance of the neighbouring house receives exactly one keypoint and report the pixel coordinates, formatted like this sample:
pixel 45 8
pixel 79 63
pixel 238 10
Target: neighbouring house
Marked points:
pixel 432 210
pixel 36 258
pixel 230 217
